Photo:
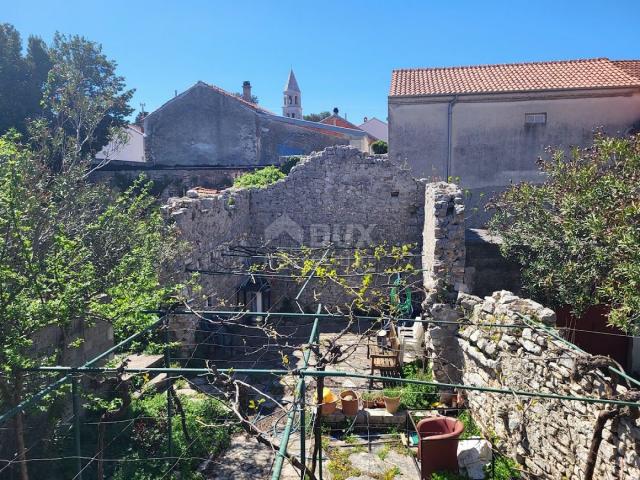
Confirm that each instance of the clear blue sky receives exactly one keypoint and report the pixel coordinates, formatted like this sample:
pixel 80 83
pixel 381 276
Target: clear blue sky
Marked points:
pixel 342 51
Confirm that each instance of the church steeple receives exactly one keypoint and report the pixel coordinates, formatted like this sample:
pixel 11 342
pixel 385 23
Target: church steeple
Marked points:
pixel 292 106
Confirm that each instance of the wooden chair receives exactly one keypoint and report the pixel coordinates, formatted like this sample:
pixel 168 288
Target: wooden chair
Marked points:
pixel 385 359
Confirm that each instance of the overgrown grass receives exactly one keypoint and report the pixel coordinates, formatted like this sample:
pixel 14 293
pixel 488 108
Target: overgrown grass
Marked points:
pixel 470 427
pixel 339 464
pixel 415 396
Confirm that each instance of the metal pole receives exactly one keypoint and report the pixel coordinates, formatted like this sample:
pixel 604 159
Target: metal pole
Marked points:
pixel 303 429
pixel 284 440
pixel 334 373
pixel 553 396
pixel 239 313
pixel 75 397
pixel 318 426
pixel 167 362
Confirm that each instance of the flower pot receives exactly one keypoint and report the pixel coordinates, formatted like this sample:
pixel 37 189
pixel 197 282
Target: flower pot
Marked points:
pixel 349 402
pixel 369 403
pixel 329 407
pixel 392 404
pixel 329 401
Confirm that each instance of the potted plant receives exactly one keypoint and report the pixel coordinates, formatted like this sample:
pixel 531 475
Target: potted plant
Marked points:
pixel 349 402
pixel 371 399
pixel 391 398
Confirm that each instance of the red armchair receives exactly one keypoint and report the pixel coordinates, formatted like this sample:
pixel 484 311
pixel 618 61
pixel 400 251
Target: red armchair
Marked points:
pixel 438 446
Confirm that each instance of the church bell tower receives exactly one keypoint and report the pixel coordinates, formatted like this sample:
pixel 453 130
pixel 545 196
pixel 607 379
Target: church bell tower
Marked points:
pixel 292 106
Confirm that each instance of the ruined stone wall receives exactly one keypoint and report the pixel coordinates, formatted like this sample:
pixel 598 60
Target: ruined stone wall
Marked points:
pixel 443 248
pixel 339 196
pixel 550 438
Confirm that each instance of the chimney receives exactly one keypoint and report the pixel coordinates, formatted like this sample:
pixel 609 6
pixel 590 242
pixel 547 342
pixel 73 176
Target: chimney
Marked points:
pixel 335 110
pixel 246 90
pixel 365 119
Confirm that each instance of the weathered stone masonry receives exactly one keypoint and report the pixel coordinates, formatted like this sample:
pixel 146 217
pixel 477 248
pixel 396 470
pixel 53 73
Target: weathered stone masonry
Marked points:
pixel 339 195
pixel 550 438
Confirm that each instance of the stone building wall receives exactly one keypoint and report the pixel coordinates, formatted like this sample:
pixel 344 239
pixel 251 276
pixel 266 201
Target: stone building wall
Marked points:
pixel 550 438
pixel 339 196
pixel 206 126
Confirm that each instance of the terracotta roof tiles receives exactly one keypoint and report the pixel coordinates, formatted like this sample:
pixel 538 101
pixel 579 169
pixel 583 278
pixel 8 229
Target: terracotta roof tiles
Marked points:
pixel 516 77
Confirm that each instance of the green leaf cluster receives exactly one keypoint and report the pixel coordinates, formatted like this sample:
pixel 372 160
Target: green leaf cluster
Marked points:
pixel 577 235
pixel 72 251
pixel 259 178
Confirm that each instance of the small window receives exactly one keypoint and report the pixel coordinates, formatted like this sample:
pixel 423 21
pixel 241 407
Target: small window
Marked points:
pixel 296 98
pixel 535 118
pixel 290 101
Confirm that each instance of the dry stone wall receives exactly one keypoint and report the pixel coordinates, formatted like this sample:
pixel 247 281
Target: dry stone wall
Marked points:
pixel 550 438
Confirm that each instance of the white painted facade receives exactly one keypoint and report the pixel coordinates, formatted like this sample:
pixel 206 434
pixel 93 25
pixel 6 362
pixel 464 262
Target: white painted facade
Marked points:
pixel 485 141
pixel 131 151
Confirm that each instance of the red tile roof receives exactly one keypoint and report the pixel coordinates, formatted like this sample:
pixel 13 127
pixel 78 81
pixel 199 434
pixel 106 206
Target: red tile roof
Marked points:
pixel 516 77
pixel 632 67
pixel 338 121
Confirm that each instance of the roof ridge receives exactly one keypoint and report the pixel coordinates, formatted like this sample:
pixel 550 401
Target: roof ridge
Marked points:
pixel 233 95
pixel 512 64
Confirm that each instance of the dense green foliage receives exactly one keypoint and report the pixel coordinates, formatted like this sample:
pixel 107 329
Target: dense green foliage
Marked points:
pixel 72 251
pixel 316 117
pixel 259 178
pixel 205 419
pixel 577 236
pixel 415 396
pixel 380 147
pixel 470 427
pixel 21 78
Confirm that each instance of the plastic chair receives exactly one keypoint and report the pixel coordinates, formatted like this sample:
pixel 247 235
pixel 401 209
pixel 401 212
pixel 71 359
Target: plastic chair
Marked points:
pixel 438 445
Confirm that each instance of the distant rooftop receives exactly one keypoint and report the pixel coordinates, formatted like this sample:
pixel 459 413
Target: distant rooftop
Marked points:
pixel 516 77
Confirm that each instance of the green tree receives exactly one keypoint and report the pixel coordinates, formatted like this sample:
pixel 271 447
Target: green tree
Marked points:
pixel 85 100
pixel 70 251
pixel 21 79
pixel 577 235
pixel 316 117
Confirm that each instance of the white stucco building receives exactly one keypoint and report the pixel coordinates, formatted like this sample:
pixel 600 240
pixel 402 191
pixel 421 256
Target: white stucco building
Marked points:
pixel 487 125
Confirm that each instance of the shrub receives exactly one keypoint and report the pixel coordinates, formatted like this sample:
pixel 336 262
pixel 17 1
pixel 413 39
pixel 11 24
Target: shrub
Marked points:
pixel 260 178
pixel 148 436
pixel 577 235
pixel 416 396
pixel 379 147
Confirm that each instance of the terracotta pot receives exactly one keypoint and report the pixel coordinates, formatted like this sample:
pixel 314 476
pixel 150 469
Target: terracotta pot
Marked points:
pixel 329 407
pixel 369 403
pixel 392 404
pixel 349 402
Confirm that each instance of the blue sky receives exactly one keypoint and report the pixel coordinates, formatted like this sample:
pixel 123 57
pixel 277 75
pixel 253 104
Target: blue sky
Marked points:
pixel 342 51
